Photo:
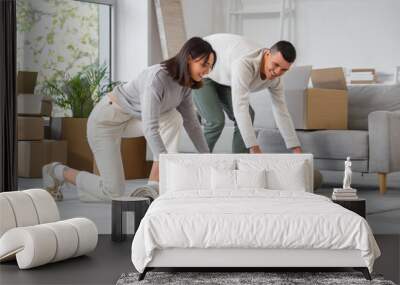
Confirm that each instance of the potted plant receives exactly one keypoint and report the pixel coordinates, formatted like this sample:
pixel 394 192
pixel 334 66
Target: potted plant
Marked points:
pixel 79 93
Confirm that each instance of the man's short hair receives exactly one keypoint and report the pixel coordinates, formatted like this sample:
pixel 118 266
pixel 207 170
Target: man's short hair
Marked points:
pixel 287 50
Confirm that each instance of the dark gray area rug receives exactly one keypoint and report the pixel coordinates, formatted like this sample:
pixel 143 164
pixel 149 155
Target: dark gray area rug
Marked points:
pixel 243 278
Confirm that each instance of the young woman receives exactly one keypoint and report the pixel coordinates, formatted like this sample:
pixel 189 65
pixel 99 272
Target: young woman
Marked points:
pixel 155 104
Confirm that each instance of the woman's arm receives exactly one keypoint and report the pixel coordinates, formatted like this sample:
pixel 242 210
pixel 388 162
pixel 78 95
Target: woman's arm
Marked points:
pixel 192 124
pixel 151 106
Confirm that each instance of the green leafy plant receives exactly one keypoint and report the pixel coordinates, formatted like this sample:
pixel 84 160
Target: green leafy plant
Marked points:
pixel 80 92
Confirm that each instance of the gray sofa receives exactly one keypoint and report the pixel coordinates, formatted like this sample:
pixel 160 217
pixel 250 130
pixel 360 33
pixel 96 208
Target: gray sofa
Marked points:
pixel 372 139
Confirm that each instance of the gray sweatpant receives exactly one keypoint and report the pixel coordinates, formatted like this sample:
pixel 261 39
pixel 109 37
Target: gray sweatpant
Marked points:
pixel 107 124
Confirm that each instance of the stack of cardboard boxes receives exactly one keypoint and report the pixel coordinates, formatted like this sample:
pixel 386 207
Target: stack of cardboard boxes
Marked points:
pixel 35 148
pixel 43 139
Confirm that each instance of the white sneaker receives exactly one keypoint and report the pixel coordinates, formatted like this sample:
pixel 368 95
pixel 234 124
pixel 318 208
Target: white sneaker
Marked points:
pixel 50 182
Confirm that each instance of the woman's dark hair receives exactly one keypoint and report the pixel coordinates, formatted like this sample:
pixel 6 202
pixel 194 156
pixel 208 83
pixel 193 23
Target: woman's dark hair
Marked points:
pixel 178 66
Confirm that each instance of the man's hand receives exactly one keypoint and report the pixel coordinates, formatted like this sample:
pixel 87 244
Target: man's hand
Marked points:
pixel 297 150
pixel 255 149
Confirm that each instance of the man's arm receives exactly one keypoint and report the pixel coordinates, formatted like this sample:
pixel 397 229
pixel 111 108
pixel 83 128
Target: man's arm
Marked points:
pixel 282 117
pixel 241 76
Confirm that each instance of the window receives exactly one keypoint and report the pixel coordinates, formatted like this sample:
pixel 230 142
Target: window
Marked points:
pixel 55 39
pixel 58 37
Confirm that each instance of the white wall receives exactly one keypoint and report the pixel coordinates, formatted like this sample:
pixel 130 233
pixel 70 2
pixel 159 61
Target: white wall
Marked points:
pixel 353 33
pixel 348 33
pixel 136 39
pixel 154 40
pixel 198 17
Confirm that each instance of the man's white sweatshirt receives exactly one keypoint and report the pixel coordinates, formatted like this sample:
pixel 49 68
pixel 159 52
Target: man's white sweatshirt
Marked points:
pixel 238 65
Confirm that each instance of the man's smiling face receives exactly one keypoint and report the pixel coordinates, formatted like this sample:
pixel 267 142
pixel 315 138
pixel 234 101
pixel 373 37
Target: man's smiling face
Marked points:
pixel 275 65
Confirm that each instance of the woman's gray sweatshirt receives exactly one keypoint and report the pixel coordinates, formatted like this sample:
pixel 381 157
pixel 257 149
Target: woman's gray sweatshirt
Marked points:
pixel 153 93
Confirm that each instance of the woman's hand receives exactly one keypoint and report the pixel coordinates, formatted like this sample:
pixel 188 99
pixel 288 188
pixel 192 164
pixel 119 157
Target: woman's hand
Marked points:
pixel 297 150
pixel 255 149
pixel 155 172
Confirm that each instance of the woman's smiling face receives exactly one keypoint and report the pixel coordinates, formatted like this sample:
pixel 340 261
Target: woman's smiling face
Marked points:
pixel 200 67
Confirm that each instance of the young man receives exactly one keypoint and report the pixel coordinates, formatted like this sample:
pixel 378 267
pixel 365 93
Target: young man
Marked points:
pixel 244 67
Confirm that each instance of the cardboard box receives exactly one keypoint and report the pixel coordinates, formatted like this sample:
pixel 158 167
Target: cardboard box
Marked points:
pixel 369 72
pixel 34 105
pixel 26 82
pixel 30 128
pixel 79 153
pixel 326 109
pixel 133 152
pixel 329 78
pixel 33 155
pixel 325 106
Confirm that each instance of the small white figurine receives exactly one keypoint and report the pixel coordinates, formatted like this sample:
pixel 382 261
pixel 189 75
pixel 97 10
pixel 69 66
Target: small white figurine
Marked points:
pixel 347 174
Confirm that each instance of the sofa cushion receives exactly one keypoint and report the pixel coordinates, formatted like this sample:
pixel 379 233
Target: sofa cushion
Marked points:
pixel 364 99
pixel 327 144
pixel 338 165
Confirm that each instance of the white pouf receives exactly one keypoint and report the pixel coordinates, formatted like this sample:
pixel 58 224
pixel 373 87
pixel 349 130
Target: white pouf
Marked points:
pixel 31 233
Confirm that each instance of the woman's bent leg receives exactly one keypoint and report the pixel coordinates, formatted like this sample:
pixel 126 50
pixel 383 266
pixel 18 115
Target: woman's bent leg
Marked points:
pixel 105 127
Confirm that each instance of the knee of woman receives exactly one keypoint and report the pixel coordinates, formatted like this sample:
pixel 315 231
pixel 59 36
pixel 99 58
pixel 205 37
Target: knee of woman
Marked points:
pixel 113 189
